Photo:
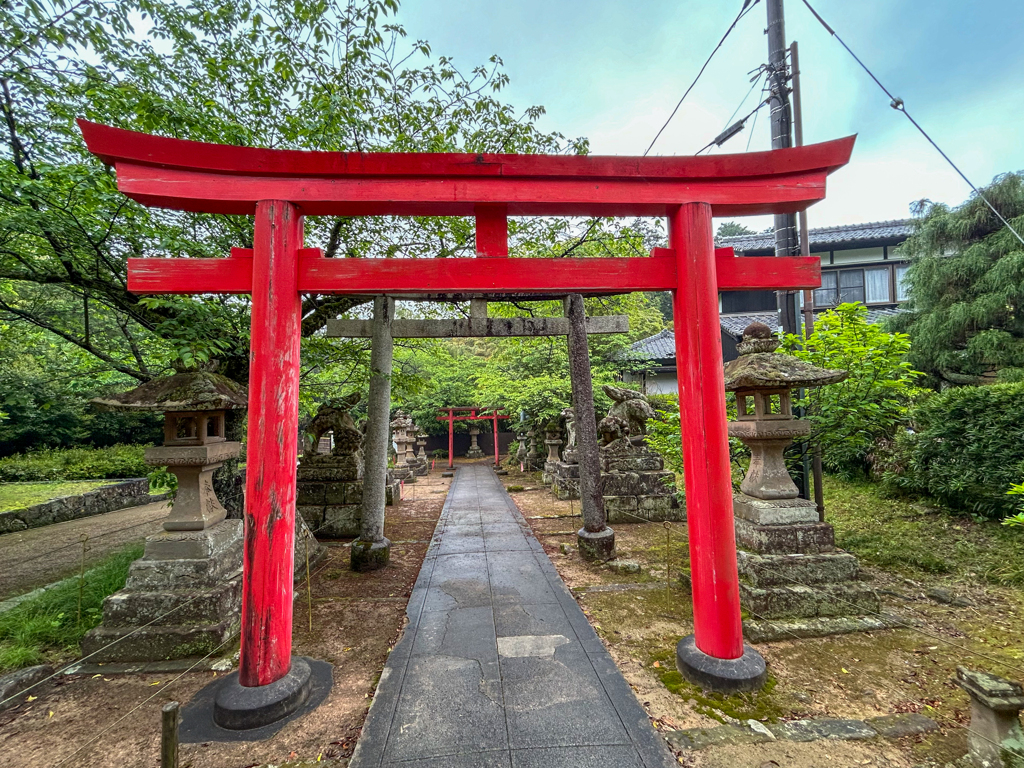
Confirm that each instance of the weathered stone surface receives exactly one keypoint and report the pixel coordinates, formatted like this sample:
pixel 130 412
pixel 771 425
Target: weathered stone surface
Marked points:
pixel 815 730
pixel 341 521
pixel 311 494
pixel 155 642
pixel 168 608
pixel 632 462
pixel 107 498
pixel 159 569
pixel 620 508
pixel 757 631
pixel 805 538
pixel 221 541
pixel 625 566
pixel 774 511
pixel 902 725
pixel 18 681
pixel 774 570
pixel 329 468
pixel 844 599
pixel 722 736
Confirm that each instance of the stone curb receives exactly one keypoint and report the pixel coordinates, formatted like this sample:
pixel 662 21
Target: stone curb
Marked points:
pixel 754 732
pixel 20 680
pixel 120 494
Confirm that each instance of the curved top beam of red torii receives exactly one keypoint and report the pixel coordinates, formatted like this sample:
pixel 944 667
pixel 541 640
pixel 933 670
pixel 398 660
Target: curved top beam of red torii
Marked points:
pixel 215 178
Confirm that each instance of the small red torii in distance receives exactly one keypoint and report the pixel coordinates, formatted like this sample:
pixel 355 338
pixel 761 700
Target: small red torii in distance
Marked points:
pixel 280 187
pixel 451 418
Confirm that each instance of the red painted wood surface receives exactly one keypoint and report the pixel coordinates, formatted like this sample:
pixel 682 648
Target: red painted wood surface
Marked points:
pixel 232 194
pixel 115 145
pixel 539 276
pixel 496 457
pixel 491 230
pixel 451 440
pixel 266 645
pixel 193 176
pixel 698 336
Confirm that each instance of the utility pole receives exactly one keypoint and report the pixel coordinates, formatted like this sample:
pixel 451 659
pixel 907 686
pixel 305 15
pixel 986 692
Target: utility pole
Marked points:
pixel 786 241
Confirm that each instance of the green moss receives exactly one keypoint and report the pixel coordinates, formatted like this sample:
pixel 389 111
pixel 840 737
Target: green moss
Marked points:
pixel 513 488
pixel 759 705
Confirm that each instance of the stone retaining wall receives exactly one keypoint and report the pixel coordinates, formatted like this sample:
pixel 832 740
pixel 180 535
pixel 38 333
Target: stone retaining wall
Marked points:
pixel 120 494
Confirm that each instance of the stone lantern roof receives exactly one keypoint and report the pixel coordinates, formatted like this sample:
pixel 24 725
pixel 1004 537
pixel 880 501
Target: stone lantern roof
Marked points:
pixel 190 392
pixel 759 366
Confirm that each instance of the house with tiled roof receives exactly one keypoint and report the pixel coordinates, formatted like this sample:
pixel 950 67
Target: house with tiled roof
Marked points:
pixel 859 262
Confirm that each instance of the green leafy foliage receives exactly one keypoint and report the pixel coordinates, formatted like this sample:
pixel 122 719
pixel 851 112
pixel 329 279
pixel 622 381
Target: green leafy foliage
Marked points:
pixel 49 626
pixel 965 449
pixel 115 462
pixel 966 287
pixel 849 417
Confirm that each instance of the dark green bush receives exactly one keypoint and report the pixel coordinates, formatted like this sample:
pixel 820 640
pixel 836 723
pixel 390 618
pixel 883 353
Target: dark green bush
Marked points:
pixel 118 461
pixel 966 449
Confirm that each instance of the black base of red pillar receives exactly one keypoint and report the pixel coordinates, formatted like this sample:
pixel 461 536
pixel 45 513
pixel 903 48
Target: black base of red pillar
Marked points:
pixel 747 673
pixel 241 708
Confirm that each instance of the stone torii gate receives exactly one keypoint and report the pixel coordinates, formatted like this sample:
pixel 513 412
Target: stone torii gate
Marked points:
pixel 280 187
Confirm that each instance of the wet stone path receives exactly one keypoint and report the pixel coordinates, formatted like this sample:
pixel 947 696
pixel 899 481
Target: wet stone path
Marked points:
pixel 498 667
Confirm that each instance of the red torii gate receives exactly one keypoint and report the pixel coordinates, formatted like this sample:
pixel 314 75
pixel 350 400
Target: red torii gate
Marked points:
pixel 282 186
pixel 451 418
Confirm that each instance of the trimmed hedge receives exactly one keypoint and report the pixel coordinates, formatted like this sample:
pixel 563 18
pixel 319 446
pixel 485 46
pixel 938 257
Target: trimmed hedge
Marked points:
pixel 116 462
pixel 966 449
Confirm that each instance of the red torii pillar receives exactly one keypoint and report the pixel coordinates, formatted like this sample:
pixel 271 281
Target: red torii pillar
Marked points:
pixel 280 185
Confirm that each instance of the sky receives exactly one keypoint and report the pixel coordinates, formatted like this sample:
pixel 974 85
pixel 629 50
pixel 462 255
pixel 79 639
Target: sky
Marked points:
pixel 612 70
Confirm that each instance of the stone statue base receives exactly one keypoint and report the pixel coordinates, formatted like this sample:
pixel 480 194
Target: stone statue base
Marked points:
pixel 565 480
pixel 188 584
pixel 474 452
pixel 330 495
pixel 637 489
pixel 789 566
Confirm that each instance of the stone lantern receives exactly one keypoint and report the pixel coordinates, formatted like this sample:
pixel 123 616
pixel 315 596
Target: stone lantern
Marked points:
pixel 195 444
pixel 475 451
pixel 199 552
pixel 763 380
pixel 787 558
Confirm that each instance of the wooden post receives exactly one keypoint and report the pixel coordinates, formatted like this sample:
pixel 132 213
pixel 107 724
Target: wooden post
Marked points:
pixel 698 335
pixel 272 446
pixel 169 735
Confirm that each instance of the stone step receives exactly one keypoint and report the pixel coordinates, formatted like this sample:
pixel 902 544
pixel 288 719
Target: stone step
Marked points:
pixel 804 539
pixel 133 608
pixel 155 643
pixel 785 570
pixel 845 599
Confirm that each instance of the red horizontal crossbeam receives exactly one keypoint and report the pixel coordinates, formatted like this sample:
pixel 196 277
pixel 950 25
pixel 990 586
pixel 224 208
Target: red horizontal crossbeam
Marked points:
pixel 474 275
pixel 214 178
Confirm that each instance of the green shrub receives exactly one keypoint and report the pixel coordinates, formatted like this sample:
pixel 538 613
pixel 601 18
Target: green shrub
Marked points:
pixel 849 418
pixel 966 448
pixel 118 461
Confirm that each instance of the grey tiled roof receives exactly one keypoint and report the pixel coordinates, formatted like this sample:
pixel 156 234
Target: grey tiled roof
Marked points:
pixel 899 229
pixel 663 345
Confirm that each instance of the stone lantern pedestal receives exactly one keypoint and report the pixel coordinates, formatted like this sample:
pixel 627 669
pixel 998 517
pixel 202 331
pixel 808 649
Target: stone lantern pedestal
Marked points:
pixel 187 585
pixel 791 574
pixel 474 452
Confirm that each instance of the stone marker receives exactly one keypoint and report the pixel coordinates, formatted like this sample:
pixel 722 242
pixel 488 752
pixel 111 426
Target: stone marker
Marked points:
pixel 372 550
pixel 995 738
pixel 595 539
pixel 199 552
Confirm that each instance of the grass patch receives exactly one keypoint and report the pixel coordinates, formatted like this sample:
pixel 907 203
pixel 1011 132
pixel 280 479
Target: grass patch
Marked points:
pixel 18 495
pixel 117 461
pixel 47 627
pixel 912 539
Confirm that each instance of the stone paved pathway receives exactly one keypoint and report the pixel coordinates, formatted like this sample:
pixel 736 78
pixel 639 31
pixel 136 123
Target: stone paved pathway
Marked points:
pixel 499 667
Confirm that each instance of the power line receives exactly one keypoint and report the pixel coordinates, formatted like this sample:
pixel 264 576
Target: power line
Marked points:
pixel 897 103
pixel 747 6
